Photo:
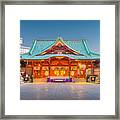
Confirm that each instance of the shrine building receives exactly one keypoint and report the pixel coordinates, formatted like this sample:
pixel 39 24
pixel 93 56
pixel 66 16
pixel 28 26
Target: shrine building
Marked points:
pixel 60 60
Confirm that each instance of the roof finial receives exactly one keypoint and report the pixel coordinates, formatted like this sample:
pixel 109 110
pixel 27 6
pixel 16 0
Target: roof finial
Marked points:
pixel 59 36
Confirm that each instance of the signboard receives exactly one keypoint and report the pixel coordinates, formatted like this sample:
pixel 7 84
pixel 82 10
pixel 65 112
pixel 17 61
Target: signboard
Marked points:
pixel 36 68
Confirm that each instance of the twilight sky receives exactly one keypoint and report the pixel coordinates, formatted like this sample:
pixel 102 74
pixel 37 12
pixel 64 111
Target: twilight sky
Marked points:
pixel 67 29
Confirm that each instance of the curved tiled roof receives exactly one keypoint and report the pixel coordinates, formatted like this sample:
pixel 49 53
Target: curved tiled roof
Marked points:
pixel 56 55
pixel 79 46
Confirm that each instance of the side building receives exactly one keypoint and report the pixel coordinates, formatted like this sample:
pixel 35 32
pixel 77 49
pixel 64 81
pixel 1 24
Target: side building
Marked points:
pixel 23 48
pixel 61 60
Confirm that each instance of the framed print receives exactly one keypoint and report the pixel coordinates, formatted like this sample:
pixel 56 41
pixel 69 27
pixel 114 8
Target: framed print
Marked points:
pixel 60 60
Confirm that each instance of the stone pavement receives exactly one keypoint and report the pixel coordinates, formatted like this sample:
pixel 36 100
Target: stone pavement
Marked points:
pixel 59 91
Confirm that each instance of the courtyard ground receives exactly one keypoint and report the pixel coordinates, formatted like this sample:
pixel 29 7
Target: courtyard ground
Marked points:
pixel 59 91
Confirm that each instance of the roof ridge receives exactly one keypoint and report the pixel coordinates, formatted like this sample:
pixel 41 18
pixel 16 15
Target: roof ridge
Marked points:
pixel 86 47
pixel 95 53
pixel 32 48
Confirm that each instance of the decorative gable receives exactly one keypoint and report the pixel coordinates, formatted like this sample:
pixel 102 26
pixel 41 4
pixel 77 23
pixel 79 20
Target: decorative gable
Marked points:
pixel 59 47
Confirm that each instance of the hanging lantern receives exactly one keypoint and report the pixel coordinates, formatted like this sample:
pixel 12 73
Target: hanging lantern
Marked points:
pixel 84 66
pixel 72 73
pixel 56 72
pixel 62 72
pixel 46 73
pixel 80 65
